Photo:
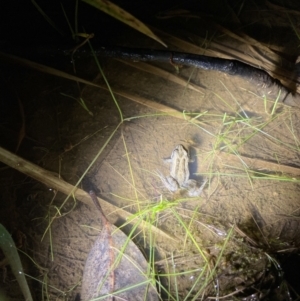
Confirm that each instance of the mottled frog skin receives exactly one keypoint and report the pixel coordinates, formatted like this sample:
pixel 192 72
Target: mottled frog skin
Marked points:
pixel 179 177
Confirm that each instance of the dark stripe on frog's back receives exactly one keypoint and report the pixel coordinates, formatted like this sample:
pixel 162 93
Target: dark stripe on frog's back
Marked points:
pixel 185 172
pixel 177 166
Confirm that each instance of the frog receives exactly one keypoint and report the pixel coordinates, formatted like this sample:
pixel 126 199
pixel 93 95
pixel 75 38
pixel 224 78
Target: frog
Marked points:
pixel 179 178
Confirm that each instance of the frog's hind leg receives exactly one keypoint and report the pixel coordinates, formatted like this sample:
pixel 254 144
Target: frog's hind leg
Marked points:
pixel 169 182
pixel 193 189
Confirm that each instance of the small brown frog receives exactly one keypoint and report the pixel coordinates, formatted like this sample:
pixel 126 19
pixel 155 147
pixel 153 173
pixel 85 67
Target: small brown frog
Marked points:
pixel 179 177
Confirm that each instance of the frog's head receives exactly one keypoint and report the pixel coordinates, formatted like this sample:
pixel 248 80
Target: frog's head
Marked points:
pixel 180 148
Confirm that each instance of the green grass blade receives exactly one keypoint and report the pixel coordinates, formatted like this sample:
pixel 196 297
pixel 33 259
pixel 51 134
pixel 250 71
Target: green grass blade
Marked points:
pixel 10 252
pixel 46 17
pixel 123 16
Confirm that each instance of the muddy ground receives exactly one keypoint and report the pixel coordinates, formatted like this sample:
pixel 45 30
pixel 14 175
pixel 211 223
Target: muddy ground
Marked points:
pixel 244 143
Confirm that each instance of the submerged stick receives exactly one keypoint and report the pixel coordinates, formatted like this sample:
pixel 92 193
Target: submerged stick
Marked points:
pixel 259 77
